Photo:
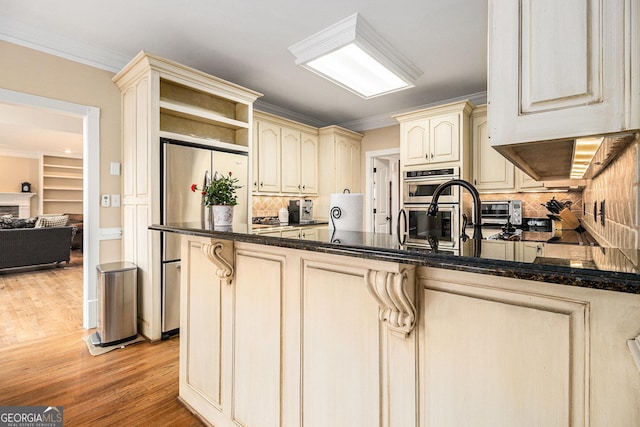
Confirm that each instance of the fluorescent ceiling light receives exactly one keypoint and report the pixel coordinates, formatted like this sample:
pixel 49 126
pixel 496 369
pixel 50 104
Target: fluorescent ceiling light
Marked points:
pixel 583 151
pixel 352 55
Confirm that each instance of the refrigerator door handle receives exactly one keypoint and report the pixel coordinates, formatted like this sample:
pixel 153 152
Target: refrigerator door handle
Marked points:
pixel 203 211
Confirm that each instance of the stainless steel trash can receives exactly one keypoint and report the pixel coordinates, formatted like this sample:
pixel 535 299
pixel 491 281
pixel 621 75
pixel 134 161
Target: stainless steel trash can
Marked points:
pixel 117 303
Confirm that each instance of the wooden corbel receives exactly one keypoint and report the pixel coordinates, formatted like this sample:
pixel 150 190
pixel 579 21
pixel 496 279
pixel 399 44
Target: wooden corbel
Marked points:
pixel 395 301
pixel 225 269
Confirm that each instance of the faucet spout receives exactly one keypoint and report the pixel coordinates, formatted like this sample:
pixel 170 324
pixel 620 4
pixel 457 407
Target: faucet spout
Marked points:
pixel 477 204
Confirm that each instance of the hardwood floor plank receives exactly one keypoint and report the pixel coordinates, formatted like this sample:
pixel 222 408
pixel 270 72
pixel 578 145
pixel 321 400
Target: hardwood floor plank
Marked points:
pixel 45 362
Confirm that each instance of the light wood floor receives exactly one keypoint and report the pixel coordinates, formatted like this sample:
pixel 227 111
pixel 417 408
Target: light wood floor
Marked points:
pixel 43 360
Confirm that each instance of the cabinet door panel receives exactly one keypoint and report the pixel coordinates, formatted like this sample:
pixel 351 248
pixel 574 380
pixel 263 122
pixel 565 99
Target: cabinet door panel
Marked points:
pixel 354 167
pixel 201 338
pixel 556 69
pixel 341 379
pixel 491 170
pixel 309 164
pixel 512 359
pixel 343 163
pixel 257 330
pixel 268 157
pixel 290 161
pixel 444 134
pixel 416 141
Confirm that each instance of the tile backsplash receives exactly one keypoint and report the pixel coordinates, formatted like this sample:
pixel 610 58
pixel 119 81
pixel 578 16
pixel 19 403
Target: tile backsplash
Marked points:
pixel 532 202
pixel 618 187
pixel 270 205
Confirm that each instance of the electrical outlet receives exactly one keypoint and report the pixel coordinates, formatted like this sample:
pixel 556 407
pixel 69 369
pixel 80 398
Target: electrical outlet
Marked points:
pixel 106 201
pixel 115 200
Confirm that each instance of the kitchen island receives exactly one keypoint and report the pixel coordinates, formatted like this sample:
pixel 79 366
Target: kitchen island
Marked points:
pixel 353 329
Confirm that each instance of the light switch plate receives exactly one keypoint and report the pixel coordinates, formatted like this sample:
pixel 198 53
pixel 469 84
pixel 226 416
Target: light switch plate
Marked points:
pixel 115 200
pixel 106 201
pixel 115 168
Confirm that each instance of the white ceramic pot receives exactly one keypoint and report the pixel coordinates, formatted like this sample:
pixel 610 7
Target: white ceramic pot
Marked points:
pixel 222 214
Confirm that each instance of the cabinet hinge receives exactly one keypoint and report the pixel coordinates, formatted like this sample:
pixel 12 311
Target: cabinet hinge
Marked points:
pixel 375 170
pixel 375 211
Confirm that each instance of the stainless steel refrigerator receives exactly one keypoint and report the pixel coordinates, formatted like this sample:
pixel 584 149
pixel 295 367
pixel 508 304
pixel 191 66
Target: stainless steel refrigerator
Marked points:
pixel 184 164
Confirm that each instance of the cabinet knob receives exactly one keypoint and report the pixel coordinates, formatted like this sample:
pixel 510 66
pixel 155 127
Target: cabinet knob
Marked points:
pixel 432 155
pixel 304 186
pixel 261 183
pixel 298 186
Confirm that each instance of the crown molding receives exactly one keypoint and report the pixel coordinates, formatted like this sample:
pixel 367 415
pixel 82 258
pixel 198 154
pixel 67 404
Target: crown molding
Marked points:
pixel 386 119
pixel 61 46
pixel 288 114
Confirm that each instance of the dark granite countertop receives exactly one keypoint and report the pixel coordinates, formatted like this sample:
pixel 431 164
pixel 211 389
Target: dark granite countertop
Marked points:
pixel 572 265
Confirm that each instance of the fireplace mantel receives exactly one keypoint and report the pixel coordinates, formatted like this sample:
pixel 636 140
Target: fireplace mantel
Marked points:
pixel 21 200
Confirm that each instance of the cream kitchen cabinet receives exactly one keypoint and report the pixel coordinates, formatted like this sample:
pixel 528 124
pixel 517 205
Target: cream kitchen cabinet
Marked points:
pixel 340 159
pixel 285 156
pixel 561 70
pixel 503 250
pixel 267 156
pixel 161 98
pixel 529 251
pixel 525 183
pixel 258 348
pixel 435 135
pixel 300 162
pixel 492 172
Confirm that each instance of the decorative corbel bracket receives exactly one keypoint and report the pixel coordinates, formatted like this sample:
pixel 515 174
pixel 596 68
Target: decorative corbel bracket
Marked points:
pixel 396 305
pixel 213 252
pixel 634 347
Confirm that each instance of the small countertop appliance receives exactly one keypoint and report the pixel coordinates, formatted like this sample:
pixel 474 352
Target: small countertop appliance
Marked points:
pixel 300 211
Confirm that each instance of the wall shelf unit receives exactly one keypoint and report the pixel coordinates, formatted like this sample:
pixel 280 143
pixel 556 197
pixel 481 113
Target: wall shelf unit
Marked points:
pixel 61 184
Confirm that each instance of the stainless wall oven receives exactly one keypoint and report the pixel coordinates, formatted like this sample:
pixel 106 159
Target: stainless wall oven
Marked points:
pixel 445 227
pixel 420 185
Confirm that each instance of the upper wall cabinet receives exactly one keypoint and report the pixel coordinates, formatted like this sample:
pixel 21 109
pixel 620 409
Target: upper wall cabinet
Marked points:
pixel 435 135
pixel 340 160
pixel 562 69
pixel 266 155
pixel 285 156
pixel 492 172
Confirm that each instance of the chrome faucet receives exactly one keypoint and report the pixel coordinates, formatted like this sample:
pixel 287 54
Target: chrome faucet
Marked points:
pixel 477 205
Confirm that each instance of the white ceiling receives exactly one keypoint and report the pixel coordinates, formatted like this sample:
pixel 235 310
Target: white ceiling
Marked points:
pixel 247 42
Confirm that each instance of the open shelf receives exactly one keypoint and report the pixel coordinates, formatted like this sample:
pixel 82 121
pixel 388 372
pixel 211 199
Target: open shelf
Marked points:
pixel 62 179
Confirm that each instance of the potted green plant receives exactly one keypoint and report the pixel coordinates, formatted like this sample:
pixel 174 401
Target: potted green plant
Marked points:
pixel 220 195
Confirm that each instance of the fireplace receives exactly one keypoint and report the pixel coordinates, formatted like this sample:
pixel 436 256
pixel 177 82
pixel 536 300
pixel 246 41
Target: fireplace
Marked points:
pixel 16 203
pixel 10 210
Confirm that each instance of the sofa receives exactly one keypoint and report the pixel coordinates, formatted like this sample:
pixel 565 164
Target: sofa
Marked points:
pixel 28 245
pixel 22 247
pixel 76 220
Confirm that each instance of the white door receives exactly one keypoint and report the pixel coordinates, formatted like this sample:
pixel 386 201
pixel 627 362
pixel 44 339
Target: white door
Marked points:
pixel 381 196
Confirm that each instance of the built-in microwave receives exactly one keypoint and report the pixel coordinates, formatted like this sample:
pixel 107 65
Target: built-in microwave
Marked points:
pixel 420 185
pixel 444 228
pixel 500 211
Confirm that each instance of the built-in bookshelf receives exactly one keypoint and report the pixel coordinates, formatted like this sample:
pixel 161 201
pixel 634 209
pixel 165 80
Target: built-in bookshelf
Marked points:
pixel 61 184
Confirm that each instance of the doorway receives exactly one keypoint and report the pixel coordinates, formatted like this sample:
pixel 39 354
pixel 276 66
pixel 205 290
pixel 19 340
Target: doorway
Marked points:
pixel 383 182
pixel 91 188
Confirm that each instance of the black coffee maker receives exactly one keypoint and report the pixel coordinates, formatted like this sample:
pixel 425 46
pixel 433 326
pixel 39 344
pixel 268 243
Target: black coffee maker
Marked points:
pixel 300 211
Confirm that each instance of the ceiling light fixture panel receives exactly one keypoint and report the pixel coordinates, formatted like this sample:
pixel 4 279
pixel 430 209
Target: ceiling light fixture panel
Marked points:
pixel 352 55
